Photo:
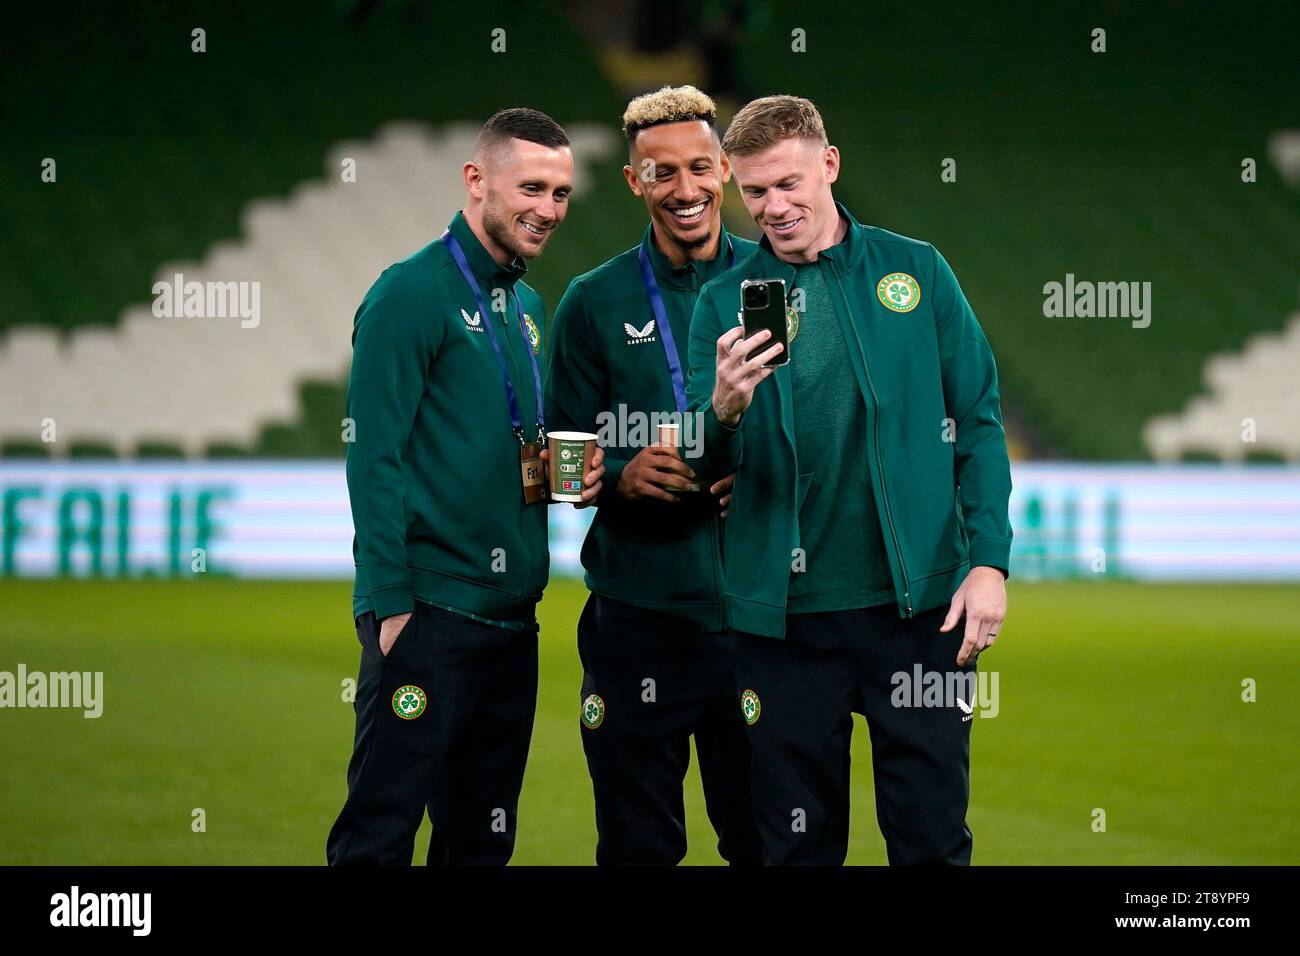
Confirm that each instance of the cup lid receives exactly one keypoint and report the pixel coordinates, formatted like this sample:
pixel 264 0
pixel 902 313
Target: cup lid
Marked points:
pixel 572 436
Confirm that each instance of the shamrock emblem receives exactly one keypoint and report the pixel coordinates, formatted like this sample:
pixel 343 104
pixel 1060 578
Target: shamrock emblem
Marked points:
pixel 408 702
pixel 593 712
pixel 898 292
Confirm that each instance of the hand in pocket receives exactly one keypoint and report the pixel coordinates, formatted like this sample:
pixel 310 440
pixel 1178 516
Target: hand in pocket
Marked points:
pixel 389 630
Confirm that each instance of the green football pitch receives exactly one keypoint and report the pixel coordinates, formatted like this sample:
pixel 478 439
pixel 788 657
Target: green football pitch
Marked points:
pixel 228 696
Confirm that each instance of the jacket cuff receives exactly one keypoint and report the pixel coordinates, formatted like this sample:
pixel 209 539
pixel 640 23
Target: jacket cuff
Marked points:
pixel 395 599
pixel 991 552
pixel 609 481
pixel 719 438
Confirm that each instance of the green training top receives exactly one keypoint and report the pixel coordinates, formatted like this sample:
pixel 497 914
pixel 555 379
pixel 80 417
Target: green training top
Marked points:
pixel 433 475
pixel 918 358
pixel 608 367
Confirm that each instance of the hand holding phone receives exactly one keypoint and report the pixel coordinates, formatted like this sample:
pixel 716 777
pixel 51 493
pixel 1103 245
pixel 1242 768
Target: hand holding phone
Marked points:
pixel 750 352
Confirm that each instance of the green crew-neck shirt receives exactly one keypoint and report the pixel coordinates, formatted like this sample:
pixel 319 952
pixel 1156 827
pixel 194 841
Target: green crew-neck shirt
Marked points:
pixel 839 528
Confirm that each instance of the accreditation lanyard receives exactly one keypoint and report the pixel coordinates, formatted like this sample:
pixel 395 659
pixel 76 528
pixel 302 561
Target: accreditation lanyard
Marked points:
pixel 665 327
pixel 516 419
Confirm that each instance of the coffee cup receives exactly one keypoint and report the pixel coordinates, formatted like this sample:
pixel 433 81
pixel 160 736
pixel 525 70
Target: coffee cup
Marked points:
pixel 670 436
pixel 571 454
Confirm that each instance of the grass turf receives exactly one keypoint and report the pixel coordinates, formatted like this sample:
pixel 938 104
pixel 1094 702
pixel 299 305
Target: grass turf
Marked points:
pixel 226 695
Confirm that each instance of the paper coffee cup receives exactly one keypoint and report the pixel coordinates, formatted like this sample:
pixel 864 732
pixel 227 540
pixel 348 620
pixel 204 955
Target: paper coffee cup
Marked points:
pixel 571 454
pixel 670 436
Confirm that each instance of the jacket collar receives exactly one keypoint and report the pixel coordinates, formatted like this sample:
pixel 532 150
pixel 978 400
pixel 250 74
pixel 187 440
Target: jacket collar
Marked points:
pixel 487 270
pixel 680 278
pixel 845 255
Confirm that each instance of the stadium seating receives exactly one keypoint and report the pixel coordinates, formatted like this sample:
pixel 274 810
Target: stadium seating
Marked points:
pixel 200 381
pixel 192 166
pixel 1254 403
pixel 1068 162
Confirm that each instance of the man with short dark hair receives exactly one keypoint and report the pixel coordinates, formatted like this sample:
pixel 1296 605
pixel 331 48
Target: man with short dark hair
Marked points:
pixel 653 638
pixel 447 483
pixel 869 513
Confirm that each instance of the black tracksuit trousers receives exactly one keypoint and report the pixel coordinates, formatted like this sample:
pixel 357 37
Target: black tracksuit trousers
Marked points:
pixel 806 688
pixel 459 752
pixel 657 680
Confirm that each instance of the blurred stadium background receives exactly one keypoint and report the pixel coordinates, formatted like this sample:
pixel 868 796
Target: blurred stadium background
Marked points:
pixel 1157 552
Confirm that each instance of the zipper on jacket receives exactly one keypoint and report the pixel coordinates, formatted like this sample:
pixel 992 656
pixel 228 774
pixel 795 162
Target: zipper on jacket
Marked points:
pixel 716 533
pixel 880 465
pixel 514 366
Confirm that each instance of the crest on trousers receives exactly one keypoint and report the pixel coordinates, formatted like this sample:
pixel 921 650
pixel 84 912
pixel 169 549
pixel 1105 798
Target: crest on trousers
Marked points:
pixel 593 712
pixel 409 702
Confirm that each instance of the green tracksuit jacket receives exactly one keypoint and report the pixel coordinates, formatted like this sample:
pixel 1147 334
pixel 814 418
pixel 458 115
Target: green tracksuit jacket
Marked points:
pixel 434 471
pixel 919 362
pixel 606 358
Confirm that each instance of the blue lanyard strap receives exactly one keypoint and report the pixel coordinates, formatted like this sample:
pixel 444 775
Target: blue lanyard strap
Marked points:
pixel 516 419
pixel 664 326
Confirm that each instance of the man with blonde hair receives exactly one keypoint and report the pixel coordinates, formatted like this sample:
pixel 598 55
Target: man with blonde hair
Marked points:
pixel 869 512
pixel 653 638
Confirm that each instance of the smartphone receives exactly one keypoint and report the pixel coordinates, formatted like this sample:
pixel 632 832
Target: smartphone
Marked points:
pixel 762 306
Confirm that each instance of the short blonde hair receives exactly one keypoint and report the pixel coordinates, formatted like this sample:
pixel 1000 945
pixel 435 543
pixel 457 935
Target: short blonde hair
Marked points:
pixel 768 120
pixel 672 104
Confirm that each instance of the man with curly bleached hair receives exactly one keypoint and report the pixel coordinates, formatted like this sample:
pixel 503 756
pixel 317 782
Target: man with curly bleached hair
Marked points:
pixel 654 637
